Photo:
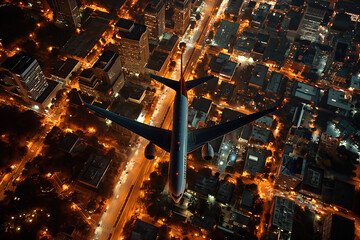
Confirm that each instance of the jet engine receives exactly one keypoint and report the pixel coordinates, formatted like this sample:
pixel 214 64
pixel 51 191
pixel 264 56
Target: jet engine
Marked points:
pixel 207 152
pixel 150 151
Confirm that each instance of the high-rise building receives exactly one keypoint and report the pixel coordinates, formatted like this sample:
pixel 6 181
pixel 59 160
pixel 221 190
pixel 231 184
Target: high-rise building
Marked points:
pixel 181 16
pixel 311 22
pixel 155 18
pixel 66 11
pixel 27 74
pixel 133 42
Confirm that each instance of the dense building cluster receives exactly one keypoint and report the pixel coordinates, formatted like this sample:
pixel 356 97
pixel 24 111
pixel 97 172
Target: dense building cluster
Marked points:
pixel 267 178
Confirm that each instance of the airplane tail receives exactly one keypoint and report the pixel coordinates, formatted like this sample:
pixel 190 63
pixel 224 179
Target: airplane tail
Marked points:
pixel 181 85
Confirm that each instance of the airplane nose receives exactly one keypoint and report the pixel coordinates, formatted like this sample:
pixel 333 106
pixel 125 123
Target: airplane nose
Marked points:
pixel 176 198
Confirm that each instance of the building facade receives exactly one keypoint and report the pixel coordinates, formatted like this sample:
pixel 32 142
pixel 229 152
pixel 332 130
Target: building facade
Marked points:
pixel 154 16
pixel 66 11
pixel 27 75
pixel 181 16
pixel 133 43
pixel 311 22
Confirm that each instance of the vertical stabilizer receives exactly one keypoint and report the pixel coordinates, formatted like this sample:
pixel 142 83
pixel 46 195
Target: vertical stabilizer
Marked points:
pixel 182 89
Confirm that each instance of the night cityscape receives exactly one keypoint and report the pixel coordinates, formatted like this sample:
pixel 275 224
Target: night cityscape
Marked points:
pixel 180 119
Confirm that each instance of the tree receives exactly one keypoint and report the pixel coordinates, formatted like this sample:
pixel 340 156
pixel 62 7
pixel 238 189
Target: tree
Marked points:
pixel 182 46
pixel 211 35
pixel 198 16
pixel 172 64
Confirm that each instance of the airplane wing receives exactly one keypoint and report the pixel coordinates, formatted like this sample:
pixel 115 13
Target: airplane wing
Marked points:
pixel 199 137
pixel 193 83
pixel 168 82
pixel 159 136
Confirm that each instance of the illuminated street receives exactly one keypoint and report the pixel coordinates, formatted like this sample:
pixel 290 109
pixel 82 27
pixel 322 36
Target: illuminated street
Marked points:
pixel 268 148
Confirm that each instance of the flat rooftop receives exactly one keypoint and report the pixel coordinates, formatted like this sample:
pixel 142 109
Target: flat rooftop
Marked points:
pixel 168 42
pixel 94 170
pixel 293 166
pixel 18 63
pixel 266 120
pixel 258 76
pixel 275 82
pixel 337 99
pixel 224 33
pixel 106 60
pixel 261 134
pixel 129 29
pixel 283 213
pixel 64 68
pixel 157 60
pixel 312 180
pixel 80 45
pixel 201 104
pixel 225 192
pixel 306 92
pixel 255 161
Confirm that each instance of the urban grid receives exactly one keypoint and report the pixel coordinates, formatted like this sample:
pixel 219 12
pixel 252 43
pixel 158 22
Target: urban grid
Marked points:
pixel 68 172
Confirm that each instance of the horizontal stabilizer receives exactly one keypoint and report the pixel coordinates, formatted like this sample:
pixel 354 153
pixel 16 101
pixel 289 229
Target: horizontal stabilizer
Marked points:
pixel 193 83
pixel 168 82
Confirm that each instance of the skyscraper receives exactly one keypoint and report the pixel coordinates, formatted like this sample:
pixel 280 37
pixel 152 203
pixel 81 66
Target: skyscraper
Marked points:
pixel 181 16
pixel 66 11
pixel 155 18
pixel 27 74
pixel 311 22
pixel 133 42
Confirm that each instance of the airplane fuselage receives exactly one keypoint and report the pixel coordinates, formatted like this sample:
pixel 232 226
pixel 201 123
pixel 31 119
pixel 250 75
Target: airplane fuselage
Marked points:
pixel 178 150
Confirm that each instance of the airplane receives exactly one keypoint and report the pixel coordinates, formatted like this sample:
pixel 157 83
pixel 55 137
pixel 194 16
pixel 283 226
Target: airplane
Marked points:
pixel 179 141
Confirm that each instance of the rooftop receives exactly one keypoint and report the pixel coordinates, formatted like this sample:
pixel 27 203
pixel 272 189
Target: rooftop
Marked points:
pixel 80 45
pixel 224 34
pixel 234 7
pixel 201 104
pixel 63 69
pixel 283 213
pixel 258 76
pixel 245 44
pixel 266 120
pixel 343 194
pixel 18 63
pixel 157 60
pixel 255 161
pixel 168 42
pixel 229 115
pixel 261 134
pixel 355 81
pixel 342 228
pixel 247 200
pixel 205 222
pixel 97 25
pixel 143 231
pixel 262 13
pixel 204 185
pixel 306 92
pixel 226 90
pixel 275 82
pixel 154 7
pixel 312 180
pixel 51 86
pixel 337 99
pixel 293 166
pixel 129 29
pixel 240 218
pixel 68 143
pixel 225 192
pixel 94 170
